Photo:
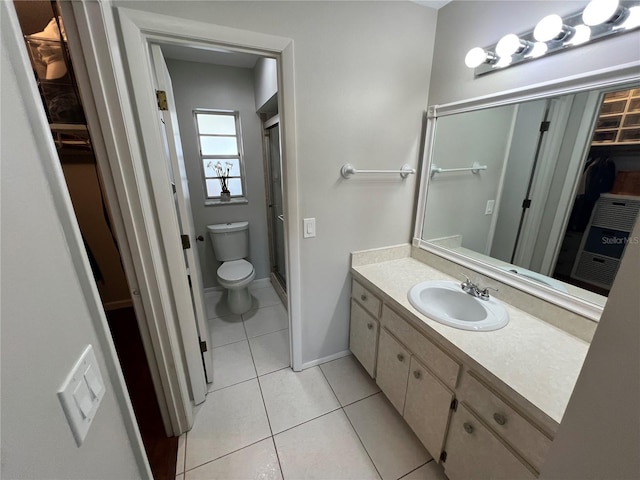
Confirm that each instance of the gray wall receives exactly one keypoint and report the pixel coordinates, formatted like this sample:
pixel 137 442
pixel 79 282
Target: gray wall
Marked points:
pixel 361 84
pixel 199 85
pixel 457 201
pixel 265 75
pixel 463 25
pixel 46 319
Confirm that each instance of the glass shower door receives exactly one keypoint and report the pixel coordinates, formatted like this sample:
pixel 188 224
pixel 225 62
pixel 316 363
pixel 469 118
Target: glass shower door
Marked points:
pixel 276 211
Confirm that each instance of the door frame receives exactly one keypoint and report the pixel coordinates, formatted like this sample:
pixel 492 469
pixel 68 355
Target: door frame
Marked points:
pixel 100 36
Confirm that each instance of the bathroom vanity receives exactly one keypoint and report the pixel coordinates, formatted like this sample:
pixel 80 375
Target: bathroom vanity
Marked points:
pixel 484 404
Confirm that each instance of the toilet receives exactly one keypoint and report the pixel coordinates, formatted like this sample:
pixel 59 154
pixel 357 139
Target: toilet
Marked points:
pixel 231 247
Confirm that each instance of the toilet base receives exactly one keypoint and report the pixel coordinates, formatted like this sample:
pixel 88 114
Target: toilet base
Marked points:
pixel 239 300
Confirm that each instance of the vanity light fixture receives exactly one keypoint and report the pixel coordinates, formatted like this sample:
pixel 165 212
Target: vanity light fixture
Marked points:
pixel 552 34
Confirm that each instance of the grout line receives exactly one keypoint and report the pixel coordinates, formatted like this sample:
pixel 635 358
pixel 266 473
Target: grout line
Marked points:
pixel 352 427
pixel 268 333
pixel 233 385
pixel 307 421
pixel 226 454
pixel 269 373
pixel 361 399
pixel 417 468
pixel 275 447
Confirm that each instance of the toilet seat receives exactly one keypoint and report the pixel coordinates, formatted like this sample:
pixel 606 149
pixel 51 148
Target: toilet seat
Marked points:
pixel 235 271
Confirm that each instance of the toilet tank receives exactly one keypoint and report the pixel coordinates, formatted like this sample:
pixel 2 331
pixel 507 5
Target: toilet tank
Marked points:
pixel 230 240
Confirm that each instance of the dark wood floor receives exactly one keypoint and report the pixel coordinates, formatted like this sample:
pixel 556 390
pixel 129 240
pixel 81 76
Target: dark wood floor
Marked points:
pixel 161 450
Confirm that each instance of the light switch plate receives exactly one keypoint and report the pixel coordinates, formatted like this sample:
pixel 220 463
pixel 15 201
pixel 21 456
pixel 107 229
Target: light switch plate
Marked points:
pixel 489 209
pixel 81 394
pixel 309 225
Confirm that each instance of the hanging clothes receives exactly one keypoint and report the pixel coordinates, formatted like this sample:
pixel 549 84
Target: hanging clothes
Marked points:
pixel 598 177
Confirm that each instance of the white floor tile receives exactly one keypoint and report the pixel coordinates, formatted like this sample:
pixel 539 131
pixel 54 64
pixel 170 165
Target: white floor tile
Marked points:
pixel 232 364
pixel 393 447
pixel 430 471
pixel 270 352
pixel 181 453
pixel 255 462
pixel 265 297
pixel 230 419
pixel 349 380
pixel 180 477
pixel 216 303
pixel 265 320
pixel 226 330
pixel 295 397
pixel 324 448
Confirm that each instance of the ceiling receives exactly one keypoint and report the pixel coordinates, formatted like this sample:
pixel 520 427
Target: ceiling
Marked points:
pixel 432 3
pixel 216 57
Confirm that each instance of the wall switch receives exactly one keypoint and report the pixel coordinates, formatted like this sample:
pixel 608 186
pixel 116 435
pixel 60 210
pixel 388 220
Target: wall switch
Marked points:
pixel 490 205
pixel 81 394
pixel 309 227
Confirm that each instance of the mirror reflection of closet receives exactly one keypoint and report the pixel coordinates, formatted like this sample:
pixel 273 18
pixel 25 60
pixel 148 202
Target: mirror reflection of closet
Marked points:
pixel 608 197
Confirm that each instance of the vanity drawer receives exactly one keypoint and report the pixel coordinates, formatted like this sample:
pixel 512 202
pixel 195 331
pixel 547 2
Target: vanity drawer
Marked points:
pixel 365 298
pixel 432 356
pixel 474 453
pixel 523 436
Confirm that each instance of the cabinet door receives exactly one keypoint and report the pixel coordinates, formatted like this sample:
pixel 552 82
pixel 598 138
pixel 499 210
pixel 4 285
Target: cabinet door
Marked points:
pixel 427 407
pixel 393 369
pixel 363 338
pixel 473 452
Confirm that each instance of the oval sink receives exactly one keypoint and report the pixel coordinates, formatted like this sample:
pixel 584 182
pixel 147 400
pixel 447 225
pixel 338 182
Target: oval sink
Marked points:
pixel 446 303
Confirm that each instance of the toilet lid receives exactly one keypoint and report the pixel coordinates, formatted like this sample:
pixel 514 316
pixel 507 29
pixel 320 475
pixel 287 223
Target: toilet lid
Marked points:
pixel 235 270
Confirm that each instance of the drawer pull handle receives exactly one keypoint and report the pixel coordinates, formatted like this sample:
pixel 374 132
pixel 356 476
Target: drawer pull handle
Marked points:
pixel 499 418
pixel 370 326
pixel 417 374
pixel 400 357
pixel 363 297
pixel 468 427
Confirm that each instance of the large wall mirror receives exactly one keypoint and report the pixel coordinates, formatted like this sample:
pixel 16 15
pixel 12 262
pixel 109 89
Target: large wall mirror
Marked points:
pixel 544 192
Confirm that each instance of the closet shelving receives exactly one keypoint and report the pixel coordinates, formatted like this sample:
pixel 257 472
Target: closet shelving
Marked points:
pixel 619 119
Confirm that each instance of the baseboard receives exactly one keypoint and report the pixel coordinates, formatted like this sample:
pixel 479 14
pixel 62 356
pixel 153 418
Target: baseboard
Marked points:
pixel 319 361
pixel 256 284
pixel 117 304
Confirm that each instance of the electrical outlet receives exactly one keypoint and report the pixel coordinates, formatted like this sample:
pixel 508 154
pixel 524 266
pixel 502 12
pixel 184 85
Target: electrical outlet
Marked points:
pixel 490 205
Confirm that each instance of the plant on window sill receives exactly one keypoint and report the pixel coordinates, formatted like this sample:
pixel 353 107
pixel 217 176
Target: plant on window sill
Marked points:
pixel 223 176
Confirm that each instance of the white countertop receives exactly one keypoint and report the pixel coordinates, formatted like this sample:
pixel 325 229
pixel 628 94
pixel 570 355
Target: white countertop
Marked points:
pixel 538 361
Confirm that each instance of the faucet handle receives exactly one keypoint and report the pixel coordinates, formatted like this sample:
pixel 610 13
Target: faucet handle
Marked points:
pixel 484 292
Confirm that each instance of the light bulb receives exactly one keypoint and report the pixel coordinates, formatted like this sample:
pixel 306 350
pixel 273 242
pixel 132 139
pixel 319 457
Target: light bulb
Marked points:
pixel 477 56
pixel 581 35
pixel 503 62
pixel 548 28
pixel 598 12
pixel 633 20
pixel 511 44
pixel 552 28
pixel 538 49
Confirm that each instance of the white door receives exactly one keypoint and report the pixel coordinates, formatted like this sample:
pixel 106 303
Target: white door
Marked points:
pixel 185 217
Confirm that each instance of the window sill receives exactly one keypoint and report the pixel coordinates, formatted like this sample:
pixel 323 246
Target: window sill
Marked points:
pixel 218 203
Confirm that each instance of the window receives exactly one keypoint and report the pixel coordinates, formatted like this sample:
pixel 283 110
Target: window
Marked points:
pixel 220 146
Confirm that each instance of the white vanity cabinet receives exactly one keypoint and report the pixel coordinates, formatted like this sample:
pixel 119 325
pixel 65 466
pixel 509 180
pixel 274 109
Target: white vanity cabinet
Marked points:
pixel 473 427
pixel 364 328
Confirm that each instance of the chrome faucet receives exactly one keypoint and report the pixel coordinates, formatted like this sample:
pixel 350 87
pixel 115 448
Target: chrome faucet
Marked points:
pixel 474 290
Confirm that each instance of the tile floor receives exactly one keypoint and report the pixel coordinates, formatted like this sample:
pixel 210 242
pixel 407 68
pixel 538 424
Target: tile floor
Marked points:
pixel 263 420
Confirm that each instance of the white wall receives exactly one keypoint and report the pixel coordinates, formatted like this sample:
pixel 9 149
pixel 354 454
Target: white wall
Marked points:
pixel 46 317
pixel 200 85
pixel 266 82
pixel 457 201
pixel 463 25
pixel 361 84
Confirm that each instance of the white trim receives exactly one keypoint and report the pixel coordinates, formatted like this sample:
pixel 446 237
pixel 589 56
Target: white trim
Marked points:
pixel 102 57
pixel 14 43
pixel 329 358
pixel 581 149
pixel 271 122
pixel 599 79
